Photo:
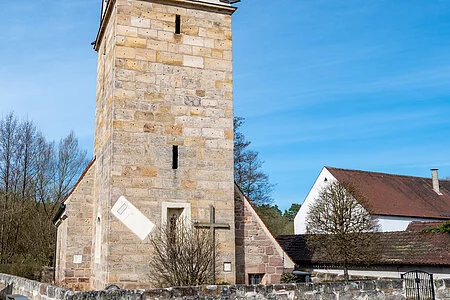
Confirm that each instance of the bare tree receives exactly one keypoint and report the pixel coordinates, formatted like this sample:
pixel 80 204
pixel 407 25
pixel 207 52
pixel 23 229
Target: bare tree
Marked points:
pixel 339 222
pixel 183 255
pixel 34 177
pixel 17 165
pixel 8 174
pixel 69 165
pixel 27 168
pixel 248 172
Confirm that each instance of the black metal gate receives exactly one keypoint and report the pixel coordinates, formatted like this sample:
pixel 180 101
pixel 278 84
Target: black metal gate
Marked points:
pixel 419 285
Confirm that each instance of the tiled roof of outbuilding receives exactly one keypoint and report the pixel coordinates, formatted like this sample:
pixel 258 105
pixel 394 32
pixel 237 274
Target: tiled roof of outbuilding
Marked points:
pixel 398 248
pixel 398 195
pixel 420 226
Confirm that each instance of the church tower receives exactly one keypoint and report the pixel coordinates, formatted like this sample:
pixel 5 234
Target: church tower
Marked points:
pixel 163 142
pixel 163 130
pixel 163 150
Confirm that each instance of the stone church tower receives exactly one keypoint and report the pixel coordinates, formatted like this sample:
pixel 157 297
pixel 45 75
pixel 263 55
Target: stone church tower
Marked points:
pixel 163 149
pixel 163 140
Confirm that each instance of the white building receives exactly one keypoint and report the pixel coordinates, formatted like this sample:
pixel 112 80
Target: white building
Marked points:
pixel 396 200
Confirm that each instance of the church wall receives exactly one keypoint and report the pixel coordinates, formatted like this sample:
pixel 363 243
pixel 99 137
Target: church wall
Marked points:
pixel 74 245
pixel 105 95
pixel 61 252
pixel 257 252
pixel 157 89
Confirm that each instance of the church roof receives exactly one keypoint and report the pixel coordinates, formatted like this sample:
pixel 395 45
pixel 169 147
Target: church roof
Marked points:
pixel 398 195
pixel 395 248
pixel 88 167
pixel 288 263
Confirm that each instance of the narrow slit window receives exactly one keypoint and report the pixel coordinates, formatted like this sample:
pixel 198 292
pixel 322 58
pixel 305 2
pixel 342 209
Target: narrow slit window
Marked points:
pixel 177 24
pixel 175 157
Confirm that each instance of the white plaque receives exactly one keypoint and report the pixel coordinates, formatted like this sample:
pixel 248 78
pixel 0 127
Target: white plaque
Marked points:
pixel 227 266
pixel 77 259
pixel 132 218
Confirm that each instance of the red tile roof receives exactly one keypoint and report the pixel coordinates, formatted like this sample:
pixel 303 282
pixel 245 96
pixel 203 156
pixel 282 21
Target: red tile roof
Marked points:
pixel 420 226
pixel 398 195
pixel 395 248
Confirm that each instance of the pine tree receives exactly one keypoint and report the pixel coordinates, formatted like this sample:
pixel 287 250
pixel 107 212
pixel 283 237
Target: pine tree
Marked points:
pixel 248 172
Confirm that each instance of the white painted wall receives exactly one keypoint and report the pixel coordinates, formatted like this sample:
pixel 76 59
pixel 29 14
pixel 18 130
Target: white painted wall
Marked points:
pixel 300 218
pixel 394 223
pixel 387 223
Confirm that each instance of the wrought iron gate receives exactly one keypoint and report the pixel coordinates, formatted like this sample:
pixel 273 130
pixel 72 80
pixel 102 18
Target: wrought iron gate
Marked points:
pixel 419 285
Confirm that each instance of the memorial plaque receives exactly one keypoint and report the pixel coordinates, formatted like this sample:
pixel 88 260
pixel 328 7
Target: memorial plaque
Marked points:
pixel 132 218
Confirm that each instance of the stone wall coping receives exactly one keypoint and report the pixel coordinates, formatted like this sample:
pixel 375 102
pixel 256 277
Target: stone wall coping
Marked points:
pixel 33 289
pixel 370 289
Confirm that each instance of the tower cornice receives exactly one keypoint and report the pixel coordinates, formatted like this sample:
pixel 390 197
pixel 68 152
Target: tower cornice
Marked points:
pixel 200 5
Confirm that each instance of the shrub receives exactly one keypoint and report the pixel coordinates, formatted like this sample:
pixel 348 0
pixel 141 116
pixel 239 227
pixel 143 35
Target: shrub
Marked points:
pixel 30 271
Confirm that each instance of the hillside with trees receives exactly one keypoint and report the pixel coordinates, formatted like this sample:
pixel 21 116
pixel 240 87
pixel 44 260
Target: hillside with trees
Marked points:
pixel 35 174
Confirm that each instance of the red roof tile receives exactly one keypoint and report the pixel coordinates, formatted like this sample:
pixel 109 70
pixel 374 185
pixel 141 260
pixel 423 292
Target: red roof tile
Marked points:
pixel 398 195
pixel 395 248
pixel 420 226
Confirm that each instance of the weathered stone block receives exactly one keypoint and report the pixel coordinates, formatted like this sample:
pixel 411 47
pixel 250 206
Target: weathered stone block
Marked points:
pixel 127 31
pixel 131 42
pixel 157 294
pixel 139 22
pixel 193 61
pixel 193 40
pixel 217 64
pixel 125 52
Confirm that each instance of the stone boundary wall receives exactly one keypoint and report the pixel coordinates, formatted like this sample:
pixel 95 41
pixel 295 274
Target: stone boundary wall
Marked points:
pixel 389 289
pixel 35 290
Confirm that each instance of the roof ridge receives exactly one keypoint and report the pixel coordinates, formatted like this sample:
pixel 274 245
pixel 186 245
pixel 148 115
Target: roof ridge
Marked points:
pixel 383 173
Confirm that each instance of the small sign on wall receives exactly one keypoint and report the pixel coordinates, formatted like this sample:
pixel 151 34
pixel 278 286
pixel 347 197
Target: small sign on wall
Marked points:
pixel 77 259
pixel 132 218
pixel 227 266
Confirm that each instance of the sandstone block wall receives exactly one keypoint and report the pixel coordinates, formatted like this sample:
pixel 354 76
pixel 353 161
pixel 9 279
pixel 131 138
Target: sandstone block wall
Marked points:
pixel 105 94
pixel 157 89
pixel 74 245
pixel 257 252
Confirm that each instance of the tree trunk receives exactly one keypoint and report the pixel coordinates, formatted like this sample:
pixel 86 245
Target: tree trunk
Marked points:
pixel 346 277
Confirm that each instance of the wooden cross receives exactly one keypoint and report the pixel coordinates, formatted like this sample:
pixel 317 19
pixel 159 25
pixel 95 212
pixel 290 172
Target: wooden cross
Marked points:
pixel 212 225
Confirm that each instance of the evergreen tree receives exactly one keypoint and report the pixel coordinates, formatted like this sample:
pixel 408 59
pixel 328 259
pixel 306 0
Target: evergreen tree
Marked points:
pixel 248 172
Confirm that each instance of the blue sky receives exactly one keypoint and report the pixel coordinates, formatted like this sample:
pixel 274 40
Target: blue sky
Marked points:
pixel 351 84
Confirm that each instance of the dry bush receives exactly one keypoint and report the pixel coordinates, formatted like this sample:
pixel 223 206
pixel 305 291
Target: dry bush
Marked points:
pixel 183 256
